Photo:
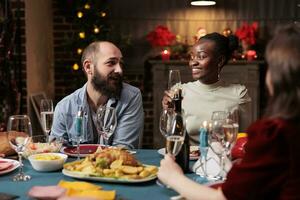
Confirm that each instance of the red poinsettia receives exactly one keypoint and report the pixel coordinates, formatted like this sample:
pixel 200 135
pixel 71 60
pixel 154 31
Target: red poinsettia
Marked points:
pixel 161 36
pixel 247 33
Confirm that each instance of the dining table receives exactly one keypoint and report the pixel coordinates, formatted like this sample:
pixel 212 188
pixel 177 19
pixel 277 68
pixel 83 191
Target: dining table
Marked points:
pixel 125 191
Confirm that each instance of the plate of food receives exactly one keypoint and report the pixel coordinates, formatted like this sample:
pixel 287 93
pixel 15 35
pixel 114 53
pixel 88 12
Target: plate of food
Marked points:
pixel 8 165
pixel 194 152
pixel 111 165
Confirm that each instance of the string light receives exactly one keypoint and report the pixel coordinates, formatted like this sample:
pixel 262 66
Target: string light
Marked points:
pixel 79 14
pixel 75 66
pixel 96 29
pixel 79 51
pixel 103 14
pixel 87 6
pixel 81 35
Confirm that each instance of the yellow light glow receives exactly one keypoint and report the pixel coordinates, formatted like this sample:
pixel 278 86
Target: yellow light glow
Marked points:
pixel 79 14
pixel 81 35
pixel 79 50
pixel 103 14
pixel 75 66
pixel 96 30
pixel 87 6
pixel 203 3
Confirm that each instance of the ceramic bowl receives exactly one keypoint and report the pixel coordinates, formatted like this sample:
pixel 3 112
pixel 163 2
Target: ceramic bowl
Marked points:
pixel 46 162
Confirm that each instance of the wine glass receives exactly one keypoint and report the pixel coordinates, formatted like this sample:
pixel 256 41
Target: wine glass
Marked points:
pixel 46 109
pixel 78 128
pixel 174 81
pixel 165 121
pixel 230 131
pixel 216 139
pixel 107 122
pixel 19 132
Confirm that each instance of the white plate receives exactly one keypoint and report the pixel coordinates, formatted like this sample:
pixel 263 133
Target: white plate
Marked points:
pixel 84 176
pixel 192 156
pixel 15 165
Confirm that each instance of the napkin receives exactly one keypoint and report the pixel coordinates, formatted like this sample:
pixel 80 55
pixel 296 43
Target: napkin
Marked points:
pixel 213 168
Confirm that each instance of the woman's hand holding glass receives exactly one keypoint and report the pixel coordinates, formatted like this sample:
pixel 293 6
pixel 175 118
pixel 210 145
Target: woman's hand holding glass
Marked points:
pixel 19 131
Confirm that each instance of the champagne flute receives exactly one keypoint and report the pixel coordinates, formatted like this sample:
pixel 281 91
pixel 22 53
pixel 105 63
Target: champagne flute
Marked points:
pixel 175 135
pixel 107 122
pixel 174 81
pixel 46 109
pixel 19 132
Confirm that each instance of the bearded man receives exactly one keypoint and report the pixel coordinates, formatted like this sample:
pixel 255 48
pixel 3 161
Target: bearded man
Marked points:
pixel 103 66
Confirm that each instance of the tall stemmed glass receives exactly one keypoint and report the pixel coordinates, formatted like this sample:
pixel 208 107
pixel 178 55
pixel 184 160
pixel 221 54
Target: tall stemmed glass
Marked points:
pixel 230 131
pixel 165 121
pixel 107 122
pixel 174 81
pixel 78 128
pixel 217 136
pixel 19 133
pixel 46 109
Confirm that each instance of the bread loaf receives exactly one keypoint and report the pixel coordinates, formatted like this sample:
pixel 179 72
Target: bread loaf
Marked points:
pixel 4 144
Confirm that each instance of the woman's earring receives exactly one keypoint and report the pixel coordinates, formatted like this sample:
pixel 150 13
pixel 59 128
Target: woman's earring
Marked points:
pixel 219 72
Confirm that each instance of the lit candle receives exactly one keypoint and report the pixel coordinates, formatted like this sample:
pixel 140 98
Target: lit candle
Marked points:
pixel 165 54
pixel 251 55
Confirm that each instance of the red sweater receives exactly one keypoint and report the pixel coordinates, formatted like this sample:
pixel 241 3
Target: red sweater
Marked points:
pixel 271 166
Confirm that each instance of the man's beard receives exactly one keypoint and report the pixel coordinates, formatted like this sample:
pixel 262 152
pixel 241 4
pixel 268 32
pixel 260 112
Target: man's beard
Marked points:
pixel 111 87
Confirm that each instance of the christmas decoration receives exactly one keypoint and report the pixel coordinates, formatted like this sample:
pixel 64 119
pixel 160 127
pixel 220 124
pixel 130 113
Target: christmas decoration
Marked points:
pixel 90 21
pixel 247 33
pixel 161 36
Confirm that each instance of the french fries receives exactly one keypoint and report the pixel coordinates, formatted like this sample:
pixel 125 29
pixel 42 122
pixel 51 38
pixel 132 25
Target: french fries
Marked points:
pixel 117 169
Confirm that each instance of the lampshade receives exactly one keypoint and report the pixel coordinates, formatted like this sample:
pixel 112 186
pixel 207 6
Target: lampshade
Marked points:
pixel 203 2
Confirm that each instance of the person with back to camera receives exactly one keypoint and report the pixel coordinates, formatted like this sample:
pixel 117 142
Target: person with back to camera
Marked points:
pixel 270 167
pixel 102 63
pixel 208 92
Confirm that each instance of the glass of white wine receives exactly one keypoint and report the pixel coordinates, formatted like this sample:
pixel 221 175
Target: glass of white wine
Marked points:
pixel 46 109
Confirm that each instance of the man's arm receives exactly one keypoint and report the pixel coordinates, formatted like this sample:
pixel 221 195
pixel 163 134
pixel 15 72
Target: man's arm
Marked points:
pixel 58 126
pixel 130 124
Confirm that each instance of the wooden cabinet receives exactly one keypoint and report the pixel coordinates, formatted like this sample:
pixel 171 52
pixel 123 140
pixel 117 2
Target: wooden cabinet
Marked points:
pixel 250 74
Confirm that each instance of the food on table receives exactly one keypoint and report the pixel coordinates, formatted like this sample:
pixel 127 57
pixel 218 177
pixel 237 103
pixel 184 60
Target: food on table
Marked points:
pixel 46 192
pixel 42 147
pixel 5 165
pixel 47 161
pixel 47 157
pixel 75 189
pixel 112 163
